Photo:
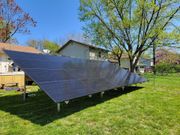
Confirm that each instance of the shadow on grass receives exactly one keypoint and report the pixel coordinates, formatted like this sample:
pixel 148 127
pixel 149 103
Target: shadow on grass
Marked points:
pixel 41 110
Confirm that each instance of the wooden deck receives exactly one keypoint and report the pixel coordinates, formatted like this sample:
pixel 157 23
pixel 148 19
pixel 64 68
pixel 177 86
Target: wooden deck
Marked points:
pixel 7 79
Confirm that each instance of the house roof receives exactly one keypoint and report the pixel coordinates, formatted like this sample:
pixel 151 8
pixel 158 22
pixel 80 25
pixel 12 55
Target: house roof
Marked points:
pixel 113 58
pixel 6 46
pixel 84 44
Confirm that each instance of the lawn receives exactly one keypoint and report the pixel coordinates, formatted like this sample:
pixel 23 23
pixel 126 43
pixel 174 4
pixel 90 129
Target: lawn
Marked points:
pixel 137 110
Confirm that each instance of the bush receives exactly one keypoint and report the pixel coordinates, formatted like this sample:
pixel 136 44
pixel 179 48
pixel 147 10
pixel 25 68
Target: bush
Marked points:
pixel 165 68
pixel 177 68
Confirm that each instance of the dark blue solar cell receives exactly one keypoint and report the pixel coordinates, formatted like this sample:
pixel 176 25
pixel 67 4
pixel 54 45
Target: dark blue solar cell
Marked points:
pixel 65 78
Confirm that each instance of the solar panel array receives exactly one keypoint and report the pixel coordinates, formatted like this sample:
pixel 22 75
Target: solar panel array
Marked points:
pixel 65 78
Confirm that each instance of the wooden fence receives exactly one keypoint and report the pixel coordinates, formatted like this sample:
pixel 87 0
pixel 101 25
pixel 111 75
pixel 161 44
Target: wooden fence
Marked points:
pixel 12 79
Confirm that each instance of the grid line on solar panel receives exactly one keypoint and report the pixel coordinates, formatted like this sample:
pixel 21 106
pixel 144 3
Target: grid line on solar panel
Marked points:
pixel 64 78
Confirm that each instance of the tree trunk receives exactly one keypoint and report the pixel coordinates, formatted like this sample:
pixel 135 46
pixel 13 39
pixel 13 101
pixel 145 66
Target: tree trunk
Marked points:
pixel 119 61
pixel 133 61
pixel 119 58
pixel 132 68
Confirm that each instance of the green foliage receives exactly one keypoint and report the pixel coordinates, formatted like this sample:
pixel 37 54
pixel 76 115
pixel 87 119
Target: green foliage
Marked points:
pixel 177 68
pixel 132 26
pixel 53 47
pixel 165 68
pixel 146 55
pixel 167 56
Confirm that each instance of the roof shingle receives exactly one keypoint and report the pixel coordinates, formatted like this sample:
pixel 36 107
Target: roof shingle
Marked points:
pixel 6 46
pixel 80 43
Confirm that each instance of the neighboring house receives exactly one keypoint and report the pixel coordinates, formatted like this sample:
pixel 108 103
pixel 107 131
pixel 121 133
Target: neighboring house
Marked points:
pixel 5 62
pixel 124 61
pixel 10 74
pixel 77 49
pixel 144 64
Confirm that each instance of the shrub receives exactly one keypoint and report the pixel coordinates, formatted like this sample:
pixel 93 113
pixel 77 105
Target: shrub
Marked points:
pixel 164 68
pixel 177 68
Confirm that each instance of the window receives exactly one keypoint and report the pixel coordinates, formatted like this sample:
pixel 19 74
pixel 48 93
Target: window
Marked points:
pixel 92 55
pixel 99 54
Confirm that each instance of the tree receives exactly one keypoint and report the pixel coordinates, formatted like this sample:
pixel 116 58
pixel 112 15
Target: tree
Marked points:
pixel 13 20
pixel 116 54
pixel 167 61
pixel 35 44
pixel 165 56
pixel 53 47
pixel 133 26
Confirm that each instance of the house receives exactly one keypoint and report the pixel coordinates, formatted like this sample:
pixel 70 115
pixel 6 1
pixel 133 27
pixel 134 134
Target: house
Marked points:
pixel 81 50
pixel 5 62
pixel 77 49
pixel 144 64
pixel 9 73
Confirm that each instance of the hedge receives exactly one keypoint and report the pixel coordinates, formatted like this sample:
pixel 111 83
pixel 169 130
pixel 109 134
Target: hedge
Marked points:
pixel 165 68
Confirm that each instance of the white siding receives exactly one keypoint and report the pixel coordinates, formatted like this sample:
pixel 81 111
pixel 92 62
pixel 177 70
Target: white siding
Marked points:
pixel 125 63
pixel 4 66
pixel 76 51
pixel 4 63
pixel 97 54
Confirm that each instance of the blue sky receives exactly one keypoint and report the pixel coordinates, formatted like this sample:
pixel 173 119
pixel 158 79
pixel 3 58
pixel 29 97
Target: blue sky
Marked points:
pixel 55 19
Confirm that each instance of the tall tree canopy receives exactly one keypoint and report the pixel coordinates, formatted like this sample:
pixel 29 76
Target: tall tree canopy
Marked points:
pixel 13 20
pixel 53 47
pixel 166 56
pixel 131 25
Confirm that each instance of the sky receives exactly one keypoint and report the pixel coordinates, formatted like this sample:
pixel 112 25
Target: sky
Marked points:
pixel 56 19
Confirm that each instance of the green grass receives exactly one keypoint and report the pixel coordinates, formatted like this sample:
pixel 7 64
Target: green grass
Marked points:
pixel 137 110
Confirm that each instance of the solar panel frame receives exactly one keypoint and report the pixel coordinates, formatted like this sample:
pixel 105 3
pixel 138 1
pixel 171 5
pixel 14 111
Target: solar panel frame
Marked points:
pixel 52 72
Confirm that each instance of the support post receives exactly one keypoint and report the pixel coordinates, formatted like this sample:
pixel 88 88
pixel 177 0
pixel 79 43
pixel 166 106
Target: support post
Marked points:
pixel 24 93
pixel 154 59
pixel 58 107
pixel 24 89
pixel 154 64
pixel 102 93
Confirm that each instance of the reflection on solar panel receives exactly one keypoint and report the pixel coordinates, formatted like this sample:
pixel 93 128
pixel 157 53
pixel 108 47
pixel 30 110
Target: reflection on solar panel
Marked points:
pixel 64 78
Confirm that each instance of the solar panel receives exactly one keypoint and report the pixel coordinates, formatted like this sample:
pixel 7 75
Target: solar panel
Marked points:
pixel 65 78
